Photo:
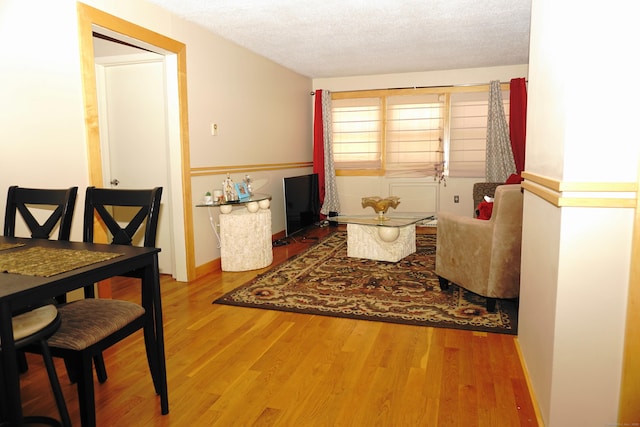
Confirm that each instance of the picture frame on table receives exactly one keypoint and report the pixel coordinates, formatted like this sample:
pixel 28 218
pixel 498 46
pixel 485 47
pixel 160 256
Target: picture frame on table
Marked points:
pixel 229 190
pixel 242 190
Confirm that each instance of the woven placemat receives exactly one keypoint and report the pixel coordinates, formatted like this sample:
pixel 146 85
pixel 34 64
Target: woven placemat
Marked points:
pixel 4 246
pixel 45 262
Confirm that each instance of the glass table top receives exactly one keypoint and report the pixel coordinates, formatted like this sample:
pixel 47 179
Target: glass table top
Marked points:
pixel 256 197
pixel 390 220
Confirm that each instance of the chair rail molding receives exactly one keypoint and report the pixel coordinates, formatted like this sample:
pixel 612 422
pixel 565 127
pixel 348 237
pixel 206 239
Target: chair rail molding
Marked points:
pixel 581 194
pixel 220 170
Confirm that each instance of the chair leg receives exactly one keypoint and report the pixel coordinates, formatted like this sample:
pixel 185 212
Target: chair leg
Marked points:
pixel 71 370
pixel 444 283
pixel 101 370
pixel 491 305
pixel 98 361
pixel 55 384
pixel 86 397
pixel 150 342
pixel 23 366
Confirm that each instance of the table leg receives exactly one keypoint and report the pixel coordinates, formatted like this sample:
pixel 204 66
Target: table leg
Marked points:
pixel 154 333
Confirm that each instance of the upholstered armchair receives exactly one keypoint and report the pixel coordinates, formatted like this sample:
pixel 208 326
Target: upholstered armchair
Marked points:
pixel 483 256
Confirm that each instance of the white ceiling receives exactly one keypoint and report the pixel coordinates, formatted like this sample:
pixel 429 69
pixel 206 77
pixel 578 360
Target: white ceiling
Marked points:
pixel 336 38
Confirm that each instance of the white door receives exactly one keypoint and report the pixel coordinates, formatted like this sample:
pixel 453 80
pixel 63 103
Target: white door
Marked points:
pixel 132 110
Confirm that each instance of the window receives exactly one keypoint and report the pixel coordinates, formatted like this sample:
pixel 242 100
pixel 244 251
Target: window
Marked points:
pixel 468 133
pixel 357 141
pixel 412 132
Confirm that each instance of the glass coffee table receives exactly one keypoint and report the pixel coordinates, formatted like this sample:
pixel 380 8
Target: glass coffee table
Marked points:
pixel 389 239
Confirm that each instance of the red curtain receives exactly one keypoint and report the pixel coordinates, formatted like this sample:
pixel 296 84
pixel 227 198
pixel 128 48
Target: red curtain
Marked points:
pixel 518 121
pixel 318 144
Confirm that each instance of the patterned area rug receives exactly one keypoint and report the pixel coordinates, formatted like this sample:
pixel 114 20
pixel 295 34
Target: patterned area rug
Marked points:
pixel 323 280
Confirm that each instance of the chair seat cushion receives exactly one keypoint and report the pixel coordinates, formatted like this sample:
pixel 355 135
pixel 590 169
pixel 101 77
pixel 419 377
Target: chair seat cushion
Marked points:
pixel 87 321
pixel 29 323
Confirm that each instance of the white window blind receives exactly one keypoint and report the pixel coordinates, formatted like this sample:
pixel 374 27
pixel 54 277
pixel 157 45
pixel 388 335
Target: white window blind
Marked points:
pixel 357 133
pixel 409 132
pixel 414 133
pixel 468 132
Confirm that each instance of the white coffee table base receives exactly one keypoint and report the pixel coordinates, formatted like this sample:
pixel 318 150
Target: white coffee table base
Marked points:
pixel 363 241
pixel 245 240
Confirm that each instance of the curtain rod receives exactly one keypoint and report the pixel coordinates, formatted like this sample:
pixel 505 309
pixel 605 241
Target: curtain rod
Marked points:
pixel 425 87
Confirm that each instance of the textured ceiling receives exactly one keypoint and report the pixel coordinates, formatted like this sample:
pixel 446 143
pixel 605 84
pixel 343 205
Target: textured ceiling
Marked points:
pixel 335 38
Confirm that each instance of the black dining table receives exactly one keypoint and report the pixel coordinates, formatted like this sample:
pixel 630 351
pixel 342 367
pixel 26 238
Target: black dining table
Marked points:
pixel 20 291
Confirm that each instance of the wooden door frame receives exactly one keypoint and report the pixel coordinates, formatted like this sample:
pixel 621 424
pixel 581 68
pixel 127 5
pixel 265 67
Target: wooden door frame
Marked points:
pixel 629 404
pixel 88 18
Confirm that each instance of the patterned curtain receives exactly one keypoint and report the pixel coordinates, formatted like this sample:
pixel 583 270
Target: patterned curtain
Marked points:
pixel 500 164
pixel 331 202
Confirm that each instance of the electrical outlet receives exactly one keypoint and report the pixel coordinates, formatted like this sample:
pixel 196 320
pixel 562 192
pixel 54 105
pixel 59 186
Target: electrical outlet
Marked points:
pixel 456 199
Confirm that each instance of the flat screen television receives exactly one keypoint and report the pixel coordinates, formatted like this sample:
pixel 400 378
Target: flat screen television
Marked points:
pixel 301 202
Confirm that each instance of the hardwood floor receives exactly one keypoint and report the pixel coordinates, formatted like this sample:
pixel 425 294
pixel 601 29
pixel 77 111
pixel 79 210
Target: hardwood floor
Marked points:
pixel 231 366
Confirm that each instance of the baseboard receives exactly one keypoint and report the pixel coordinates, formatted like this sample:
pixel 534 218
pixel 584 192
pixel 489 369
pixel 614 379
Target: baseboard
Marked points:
pixel 208 267
pixel 532 394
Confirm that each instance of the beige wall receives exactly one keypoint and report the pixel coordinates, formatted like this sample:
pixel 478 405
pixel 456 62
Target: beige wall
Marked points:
pixel 577 244
pixel 263 110
pixel 41 113
pixel 468 76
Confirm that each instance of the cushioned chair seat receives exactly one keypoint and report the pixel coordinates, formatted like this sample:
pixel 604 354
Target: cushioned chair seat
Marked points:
pixel 33 328
pixel 29 323
pixel 87 321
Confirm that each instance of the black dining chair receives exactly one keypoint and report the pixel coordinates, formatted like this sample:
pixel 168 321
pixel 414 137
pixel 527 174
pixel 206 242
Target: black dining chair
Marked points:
pixel 91 325
pixel 33 327
pixel 42 209
pixel 26 200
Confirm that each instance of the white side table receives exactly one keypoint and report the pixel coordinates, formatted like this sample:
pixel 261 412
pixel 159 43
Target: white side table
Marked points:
pixel 245 240
pixel 245 234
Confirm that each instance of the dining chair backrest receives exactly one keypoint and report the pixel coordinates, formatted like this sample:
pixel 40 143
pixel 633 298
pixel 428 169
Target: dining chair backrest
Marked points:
pixel 23 200
pixel 101 201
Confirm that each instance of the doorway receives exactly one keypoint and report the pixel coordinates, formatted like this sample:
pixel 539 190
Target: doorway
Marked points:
pixel 133 139
pixel 178 179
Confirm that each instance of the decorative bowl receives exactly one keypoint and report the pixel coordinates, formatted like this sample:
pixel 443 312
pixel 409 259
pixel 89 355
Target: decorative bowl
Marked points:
pixel 380 205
